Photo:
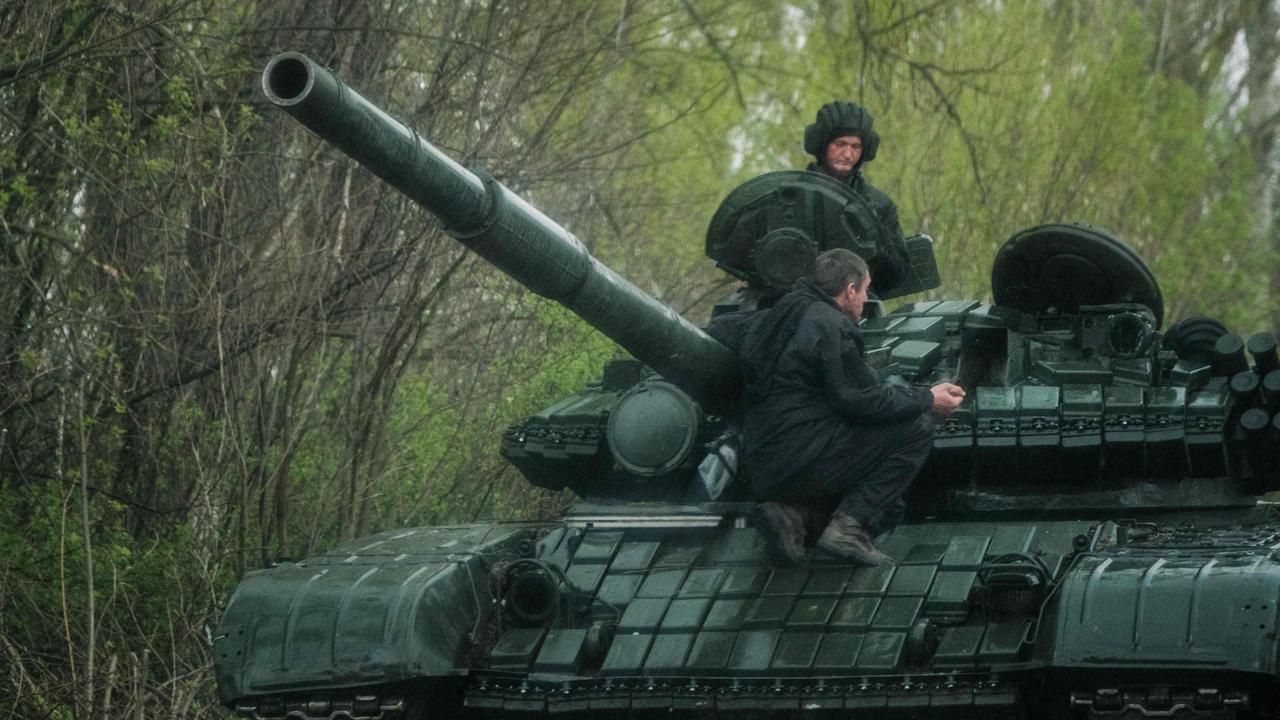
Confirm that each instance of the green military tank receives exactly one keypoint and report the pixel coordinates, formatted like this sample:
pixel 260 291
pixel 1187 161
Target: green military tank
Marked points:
pixel 1090 538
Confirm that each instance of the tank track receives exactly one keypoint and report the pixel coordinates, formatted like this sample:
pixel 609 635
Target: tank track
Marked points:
pixel 920 698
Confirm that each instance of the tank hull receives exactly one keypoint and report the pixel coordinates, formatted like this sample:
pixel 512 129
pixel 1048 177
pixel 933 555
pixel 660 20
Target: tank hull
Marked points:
pixel 1181 621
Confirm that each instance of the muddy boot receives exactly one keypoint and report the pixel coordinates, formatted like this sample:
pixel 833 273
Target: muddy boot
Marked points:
pixel 845 538
pixel 782 527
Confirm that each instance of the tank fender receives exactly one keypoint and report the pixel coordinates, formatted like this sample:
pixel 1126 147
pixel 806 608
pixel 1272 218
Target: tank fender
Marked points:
pixel 393 607
pixel 1170 609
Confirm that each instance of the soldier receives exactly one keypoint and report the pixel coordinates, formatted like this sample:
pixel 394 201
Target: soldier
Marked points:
pixel 820 429
pixel 841 140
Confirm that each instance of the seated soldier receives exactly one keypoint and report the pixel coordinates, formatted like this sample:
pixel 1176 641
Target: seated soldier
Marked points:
pixel 820 428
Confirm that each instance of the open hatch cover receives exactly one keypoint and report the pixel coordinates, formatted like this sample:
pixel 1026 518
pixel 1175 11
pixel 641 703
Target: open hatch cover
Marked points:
pixel 1062 266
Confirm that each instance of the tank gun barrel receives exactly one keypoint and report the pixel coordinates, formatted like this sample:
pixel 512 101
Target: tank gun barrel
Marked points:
pixel 505 230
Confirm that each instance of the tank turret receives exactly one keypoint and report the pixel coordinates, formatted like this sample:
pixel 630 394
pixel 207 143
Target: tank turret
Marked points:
pixel 631 435
pixel 1076 397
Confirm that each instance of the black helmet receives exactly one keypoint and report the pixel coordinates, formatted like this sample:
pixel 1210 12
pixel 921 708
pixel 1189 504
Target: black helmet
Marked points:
pixel 836 119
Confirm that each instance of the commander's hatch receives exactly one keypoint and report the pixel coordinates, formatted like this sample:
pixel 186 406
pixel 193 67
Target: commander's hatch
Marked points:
pixel 768 231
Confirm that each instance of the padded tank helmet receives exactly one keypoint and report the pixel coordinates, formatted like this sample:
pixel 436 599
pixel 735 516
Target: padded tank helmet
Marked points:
pixel 836 119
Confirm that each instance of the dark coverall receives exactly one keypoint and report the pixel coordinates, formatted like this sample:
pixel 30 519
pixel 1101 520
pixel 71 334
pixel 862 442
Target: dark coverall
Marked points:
pixel 819 426
pixel 890 269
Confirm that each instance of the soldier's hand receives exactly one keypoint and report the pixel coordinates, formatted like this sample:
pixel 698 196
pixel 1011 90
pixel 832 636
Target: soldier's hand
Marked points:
pixel 946 398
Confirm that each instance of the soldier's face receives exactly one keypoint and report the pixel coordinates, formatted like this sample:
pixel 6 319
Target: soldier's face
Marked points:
pixel 854 298
pixel 843 154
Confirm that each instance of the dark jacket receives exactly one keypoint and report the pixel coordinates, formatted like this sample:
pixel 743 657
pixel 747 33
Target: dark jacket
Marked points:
pixel 808 384
pixel 890 267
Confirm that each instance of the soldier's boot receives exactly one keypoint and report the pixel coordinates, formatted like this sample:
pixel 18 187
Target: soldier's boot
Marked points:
pixel 783 527
pixel 845 538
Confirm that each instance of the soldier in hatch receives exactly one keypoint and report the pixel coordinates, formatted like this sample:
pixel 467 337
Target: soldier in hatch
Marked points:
pixel 820 428
pixel 841 140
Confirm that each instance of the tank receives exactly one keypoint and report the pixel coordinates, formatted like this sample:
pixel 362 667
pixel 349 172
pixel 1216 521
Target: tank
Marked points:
pixel 1091 538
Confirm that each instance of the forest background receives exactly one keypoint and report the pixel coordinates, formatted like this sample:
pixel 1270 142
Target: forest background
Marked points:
pixel 222 343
